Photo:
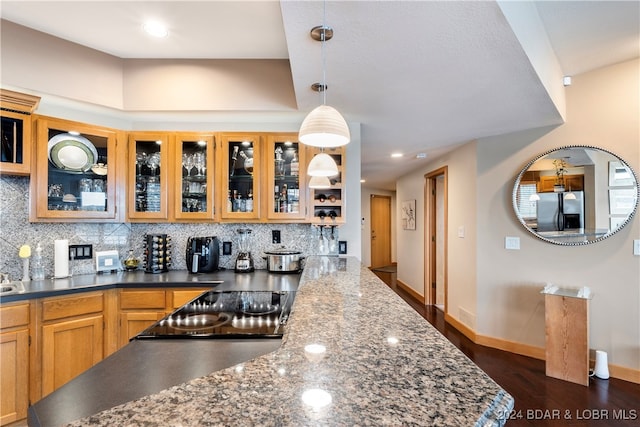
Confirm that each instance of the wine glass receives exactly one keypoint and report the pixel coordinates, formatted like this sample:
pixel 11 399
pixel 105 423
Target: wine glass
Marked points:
pixel 153 161
pixel 141 159
pixel 188 163
pixel 199 160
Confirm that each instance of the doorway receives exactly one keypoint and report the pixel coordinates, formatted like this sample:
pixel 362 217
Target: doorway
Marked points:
pixel 380 231
pixel 435 287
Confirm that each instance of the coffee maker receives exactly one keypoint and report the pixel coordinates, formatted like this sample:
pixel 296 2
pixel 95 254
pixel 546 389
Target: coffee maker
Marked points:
pixel 202 254
pixel 244 261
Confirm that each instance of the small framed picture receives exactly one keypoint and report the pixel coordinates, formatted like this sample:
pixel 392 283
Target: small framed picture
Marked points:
pixel 622 201
pixel 620 175
pixel 409 215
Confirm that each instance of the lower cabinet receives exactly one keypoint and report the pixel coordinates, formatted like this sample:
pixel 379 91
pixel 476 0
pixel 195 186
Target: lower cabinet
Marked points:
pixel 138 309
pixel 44 343
pixel 72 334
pixel 141 308
pixel 14 362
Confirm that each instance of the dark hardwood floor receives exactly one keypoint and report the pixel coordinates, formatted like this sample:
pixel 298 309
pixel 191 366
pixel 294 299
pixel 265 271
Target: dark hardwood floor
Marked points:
pixel 541 400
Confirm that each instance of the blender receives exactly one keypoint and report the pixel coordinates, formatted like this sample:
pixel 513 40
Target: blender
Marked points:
pixel 244 262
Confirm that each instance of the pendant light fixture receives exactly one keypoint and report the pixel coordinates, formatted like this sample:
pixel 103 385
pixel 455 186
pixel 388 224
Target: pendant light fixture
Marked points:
pixel 322 164
pixel 319 182
pixel 324 126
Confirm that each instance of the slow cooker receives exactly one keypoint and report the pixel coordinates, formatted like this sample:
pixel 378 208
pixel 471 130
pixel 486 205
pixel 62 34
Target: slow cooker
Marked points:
pixel 284 261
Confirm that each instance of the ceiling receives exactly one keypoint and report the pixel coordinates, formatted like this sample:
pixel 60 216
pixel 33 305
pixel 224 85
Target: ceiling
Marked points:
pixel 419 76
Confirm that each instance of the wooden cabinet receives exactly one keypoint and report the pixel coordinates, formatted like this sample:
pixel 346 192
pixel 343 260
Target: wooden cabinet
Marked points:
pixel 14 362
pixel 141 308
pixel 194 170
pixel 327 206
pixel 262 177
pixel 72 334
pixel 285 186
pixel 171 177
pixel 15 136
pixel 571 183
pixel 76 173
pixel 148 177
pixel 240 171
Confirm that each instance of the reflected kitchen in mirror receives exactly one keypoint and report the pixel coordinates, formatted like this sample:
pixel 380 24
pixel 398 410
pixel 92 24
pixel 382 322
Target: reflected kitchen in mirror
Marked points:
pixel 575 195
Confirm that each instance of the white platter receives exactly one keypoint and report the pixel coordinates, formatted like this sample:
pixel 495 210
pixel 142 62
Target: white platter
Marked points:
pixel 73 153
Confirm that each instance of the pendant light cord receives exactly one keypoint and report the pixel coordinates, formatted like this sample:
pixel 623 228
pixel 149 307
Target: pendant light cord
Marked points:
pixel 324 55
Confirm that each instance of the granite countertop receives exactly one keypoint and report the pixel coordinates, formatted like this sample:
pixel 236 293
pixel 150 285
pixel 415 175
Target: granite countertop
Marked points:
pixel 383 365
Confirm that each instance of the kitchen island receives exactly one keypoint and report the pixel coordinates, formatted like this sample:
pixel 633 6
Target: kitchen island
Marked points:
pixel 382 364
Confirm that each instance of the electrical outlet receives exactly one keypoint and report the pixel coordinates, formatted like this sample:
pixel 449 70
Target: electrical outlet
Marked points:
pixel 636 247
pixel 275 236
pixel 226 248
pixel 342 247
pixel 80 252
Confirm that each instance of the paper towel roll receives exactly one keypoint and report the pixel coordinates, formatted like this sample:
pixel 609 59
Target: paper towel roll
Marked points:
pixel 61 255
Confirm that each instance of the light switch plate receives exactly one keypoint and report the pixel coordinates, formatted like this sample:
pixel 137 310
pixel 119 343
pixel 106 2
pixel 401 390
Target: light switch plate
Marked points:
pixel 461 231
pixel 512 243
pixel 636 247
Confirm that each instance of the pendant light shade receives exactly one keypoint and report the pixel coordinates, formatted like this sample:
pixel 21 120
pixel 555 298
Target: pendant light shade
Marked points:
pixel 324 126
pixel 322 164
pixel 319 182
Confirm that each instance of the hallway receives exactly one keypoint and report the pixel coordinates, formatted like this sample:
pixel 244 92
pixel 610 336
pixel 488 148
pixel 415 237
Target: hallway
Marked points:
pixel 541 400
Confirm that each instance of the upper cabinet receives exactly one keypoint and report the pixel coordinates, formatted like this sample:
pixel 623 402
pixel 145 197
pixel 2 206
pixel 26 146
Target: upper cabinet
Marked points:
pixel 76 172
pixel 240 172
pixel 193 164
pixel 327 205
pixel 148 177
pixel 285 188
pixel 170 177
pixel 15 139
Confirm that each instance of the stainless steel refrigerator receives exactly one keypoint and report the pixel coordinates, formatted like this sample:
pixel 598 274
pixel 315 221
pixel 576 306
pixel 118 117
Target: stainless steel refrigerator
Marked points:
pixel 556 212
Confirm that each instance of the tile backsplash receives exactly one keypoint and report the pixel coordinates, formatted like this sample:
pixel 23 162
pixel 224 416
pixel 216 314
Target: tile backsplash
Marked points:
pixel 16 230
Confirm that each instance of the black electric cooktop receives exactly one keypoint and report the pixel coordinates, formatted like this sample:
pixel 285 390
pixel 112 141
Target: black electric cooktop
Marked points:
pixel 227 314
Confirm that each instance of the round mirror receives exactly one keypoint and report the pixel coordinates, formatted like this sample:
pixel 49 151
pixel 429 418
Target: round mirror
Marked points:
pixel 575 195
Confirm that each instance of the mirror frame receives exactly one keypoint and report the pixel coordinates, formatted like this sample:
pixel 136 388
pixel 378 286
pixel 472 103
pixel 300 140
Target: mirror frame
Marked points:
pixel 514 197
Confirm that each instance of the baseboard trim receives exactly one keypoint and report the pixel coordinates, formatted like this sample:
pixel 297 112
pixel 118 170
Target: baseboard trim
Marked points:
pixel 512 347
pixel 624 373
pixel 408 289
pixel 461 327
pixel 615 371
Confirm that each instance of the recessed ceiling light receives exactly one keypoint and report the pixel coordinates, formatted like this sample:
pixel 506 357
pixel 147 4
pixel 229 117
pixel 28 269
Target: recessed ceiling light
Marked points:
pixel 396 154
pixel 156 29
pixel 363 180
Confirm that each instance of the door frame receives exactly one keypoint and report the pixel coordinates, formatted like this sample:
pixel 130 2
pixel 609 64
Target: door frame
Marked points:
pixel 429 236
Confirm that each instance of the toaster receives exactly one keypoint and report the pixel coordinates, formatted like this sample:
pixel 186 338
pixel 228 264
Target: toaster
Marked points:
pixel 203 254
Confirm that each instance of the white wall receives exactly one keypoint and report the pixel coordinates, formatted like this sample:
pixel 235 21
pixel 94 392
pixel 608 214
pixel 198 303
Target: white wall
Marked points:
pixel 603 111
pixel 501 288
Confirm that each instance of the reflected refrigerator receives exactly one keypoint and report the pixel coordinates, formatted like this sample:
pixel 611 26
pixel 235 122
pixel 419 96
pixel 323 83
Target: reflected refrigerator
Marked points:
pixel 557 212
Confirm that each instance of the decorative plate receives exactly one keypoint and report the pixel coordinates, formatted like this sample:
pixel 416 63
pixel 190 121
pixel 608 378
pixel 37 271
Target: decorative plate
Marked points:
pixel 73 153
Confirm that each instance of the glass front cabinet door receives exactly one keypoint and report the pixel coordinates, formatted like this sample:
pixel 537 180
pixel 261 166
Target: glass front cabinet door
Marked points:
pixel 15 138
pixel 76 172
pixel 240 172
pixel 194 166
pixel 148 177
pixel 285 189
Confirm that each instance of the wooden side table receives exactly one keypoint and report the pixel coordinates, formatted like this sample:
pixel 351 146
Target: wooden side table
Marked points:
pixel 567 333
